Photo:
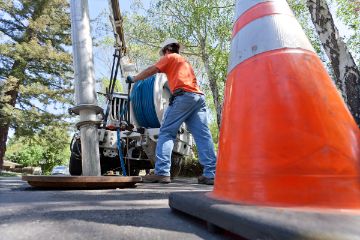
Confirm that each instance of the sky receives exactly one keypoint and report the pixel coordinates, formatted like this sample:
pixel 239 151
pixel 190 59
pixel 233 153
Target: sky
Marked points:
pixel 103 55
pixel 96 7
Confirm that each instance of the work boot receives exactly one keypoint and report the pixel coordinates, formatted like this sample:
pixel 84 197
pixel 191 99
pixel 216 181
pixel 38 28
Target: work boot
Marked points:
pixel 205 180
pixel 156 179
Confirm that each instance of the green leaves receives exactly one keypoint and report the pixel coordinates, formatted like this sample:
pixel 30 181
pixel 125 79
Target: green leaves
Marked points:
pixel 48 148
pixel 348 12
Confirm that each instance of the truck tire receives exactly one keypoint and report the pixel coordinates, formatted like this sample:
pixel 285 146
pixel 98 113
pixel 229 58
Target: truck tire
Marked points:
pixel 133 172
pixel 75 164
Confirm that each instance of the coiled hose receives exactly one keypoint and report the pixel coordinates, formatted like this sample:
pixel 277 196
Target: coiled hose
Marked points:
pixel 142 100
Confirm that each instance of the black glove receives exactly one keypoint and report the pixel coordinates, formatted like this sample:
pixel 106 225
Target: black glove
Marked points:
pixel 130 79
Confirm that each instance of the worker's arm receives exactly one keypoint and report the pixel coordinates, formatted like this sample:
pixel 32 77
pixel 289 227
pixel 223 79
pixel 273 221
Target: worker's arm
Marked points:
pixel 146 73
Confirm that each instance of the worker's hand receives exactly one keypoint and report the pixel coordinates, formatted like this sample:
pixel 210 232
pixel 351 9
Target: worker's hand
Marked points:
pixel 130 79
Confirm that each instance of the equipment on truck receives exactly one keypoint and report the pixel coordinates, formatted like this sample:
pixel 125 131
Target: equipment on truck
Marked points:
pixel 139 130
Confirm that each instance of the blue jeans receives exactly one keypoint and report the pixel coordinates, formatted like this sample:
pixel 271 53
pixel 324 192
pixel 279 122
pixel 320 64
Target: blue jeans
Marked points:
pixel 191 109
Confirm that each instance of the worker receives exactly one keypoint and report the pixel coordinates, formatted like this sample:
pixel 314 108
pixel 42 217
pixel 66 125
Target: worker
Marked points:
pixel 187 104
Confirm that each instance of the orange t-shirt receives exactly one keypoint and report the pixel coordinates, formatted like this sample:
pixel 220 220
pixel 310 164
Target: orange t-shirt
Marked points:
pixel 179 73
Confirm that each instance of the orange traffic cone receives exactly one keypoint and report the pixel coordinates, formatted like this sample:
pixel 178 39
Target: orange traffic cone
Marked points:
pixel 287 140
pixel 286 137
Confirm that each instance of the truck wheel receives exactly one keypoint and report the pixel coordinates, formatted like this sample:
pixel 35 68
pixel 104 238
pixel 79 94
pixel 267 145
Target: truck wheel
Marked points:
pixel 75 164
pixel 132 168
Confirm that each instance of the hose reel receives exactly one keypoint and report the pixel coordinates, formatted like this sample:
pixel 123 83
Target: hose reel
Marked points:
pixel 149 100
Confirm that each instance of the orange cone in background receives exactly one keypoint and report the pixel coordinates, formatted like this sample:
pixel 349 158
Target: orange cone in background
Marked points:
pixel 287 137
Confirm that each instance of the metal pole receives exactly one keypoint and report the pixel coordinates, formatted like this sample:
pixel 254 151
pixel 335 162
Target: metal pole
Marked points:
pixel 85 94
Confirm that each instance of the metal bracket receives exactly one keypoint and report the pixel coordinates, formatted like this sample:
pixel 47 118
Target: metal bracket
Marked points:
pixel 76 109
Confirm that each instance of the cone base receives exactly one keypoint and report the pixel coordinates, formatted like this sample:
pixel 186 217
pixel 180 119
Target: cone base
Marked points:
pixel 259 222
pixel 295 191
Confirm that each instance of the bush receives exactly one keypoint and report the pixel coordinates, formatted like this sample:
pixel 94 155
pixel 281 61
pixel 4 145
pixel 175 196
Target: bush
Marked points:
pixel 191 168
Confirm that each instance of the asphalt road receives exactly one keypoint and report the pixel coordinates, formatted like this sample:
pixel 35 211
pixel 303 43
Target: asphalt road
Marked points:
pixel 133 213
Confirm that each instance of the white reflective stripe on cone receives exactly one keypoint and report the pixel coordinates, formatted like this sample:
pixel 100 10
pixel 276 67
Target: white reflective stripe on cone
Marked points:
pixel 266 9
pixel 267 34
pixel 243 5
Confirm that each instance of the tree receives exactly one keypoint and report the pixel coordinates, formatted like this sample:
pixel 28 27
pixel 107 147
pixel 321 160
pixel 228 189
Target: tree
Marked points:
pixel 348 11
pixel 347 74
pixel 203 26
pixel 35 67
pixel 47 148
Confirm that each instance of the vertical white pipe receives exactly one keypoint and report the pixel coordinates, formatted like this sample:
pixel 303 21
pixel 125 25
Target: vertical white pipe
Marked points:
pixel 85 94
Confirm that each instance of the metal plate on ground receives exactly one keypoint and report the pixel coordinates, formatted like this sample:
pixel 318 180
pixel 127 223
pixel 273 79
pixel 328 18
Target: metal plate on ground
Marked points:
pixel 81 182
pixel 273 223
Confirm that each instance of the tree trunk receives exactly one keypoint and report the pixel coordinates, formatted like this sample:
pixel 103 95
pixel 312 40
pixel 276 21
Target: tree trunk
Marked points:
pixel 212 82
pixel 347 74
pixel 215 92
pixel 10 96
pixel 3 137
